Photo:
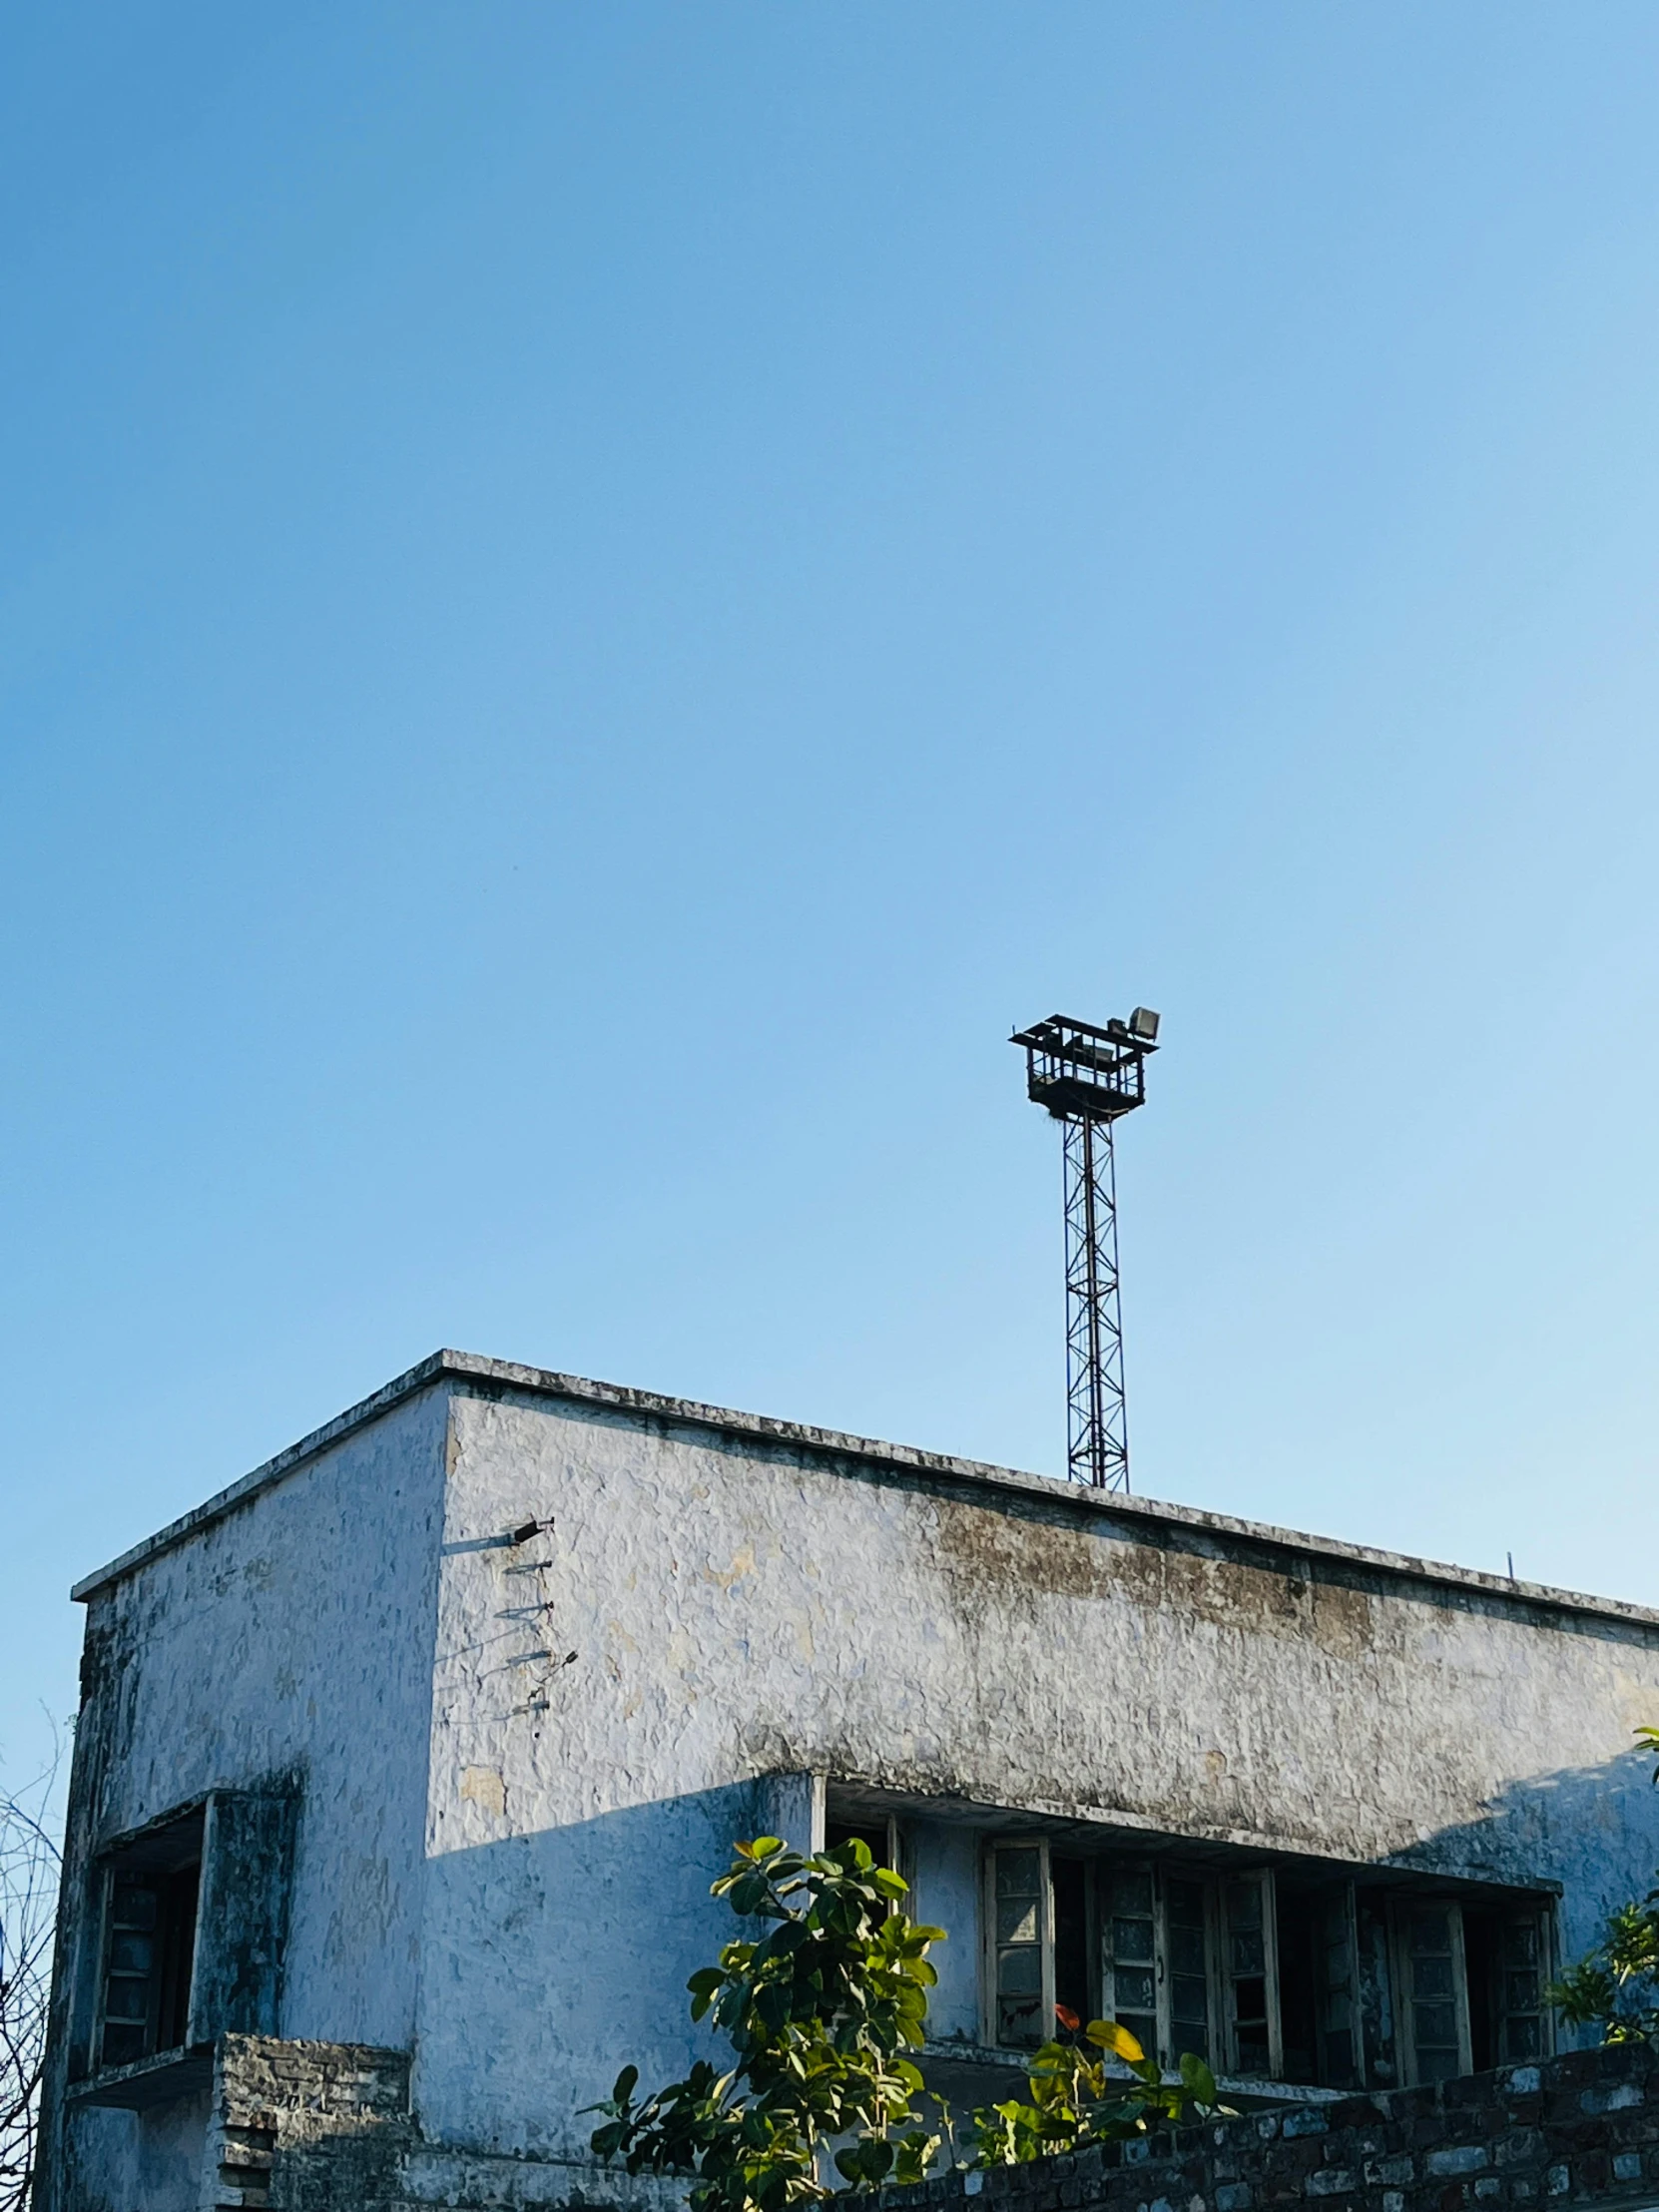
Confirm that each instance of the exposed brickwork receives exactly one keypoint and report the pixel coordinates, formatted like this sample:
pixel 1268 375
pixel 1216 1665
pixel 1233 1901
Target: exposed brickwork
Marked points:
pixel 306 2127
pixel 1581 2129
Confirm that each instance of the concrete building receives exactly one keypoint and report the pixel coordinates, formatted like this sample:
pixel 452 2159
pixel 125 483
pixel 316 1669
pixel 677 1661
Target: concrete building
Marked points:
pixel 405 1763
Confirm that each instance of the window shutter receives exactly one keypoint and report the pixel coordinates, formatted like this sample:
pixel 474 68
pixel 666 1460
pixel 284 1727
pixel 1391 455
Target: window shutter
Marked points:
pixel 242 1921
pixel 1129 1953
pixel 1434 1989
pixel 1250 1975
pixel 1021 1948
pixel 1337 1982
pixel 1521 1969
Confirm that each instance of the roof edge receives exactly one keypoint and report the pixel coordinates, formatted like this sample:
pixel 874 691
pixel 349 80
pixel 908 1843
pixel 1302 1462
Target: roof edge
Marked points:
pixel 764 1428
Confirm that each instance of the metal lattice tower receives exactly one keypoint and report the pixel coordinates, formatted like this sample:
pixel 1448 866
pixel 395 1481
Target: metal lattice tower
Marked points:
pixel 1089 1078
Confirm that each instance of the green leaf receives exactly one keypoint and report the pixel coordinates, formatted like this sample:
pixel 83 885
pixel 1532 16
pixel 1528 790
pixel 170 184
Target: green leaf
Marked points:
pixel 625 2082
pixel 1198 2081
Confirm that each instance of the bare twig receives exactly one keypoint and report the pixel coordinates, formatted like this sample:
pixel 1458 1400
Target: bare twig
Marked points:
pixel 29 1863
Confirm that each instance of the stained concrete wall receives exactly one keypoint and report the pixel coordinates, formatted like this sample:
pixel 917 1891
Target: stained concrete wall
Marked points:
pixel 293 1637
pixel 738 1607
pixel 523 1760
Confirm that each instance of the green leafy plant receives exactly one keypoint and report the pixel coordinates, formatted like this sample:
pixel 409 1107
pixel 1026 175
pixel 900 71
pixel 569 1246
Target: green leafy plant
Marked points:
pixel 1074 2102
pixel 1615 1985
pixel 820 2009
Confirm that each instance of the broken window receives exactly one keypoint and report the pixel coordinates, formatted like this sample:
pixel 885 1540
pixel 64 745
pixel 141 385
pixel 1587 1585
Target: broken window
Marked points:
pixel 150 1891
pixel 879 1836
pixel 1129 1981
pixel 1506 1956
pixel 1250 1975
pixel 1022 1944
pixel 1188 1963
pixel 186 1928
pixel 1434 1989
pixel 1317 1944
pixel 1282 1974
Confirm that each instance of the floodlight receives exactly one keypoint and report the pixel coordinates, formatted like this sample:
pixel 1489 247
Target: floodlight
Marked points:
pixel 1088 1078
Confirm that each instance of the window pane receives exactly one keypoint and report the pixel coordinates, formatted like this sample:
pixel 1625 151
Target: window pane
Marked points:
pixel 123 2047
pixel 1132 1894
pixel 1189 2009
pixel 1520 1943
pixel 1134 1988
pixel 1019 1973
pixel 1248 1954
pixel 1434 2023
pixel 1243 1905
pixel 130 1953
pixel 1017 1881
pixel 1185 1951
pixel 1017 1921
pixel 1018 1874
pixel 1432 1978
pixel 1431 1932
pixel 1132 1940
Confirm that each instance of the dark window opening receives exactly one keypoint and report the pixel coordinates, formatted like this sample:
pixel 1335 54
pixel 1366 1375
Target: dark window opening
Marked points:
pixel 1481 1950
pixel 1299 2008
pixel 875 1840
pixel 1380 2050
pixel 1070 1880
pixel 1245 1966
pixel 1504 1952
pixel 150 1891
pixel 1187 1938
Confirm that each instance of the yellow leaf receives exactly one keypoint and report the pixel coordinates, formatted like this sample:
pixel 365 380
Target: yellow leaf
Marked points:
pixel 1109 2036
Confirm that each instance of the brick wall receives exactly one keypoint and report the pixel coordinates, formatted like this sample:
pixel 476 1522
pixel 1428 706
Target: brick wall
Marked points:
pixel 1581 2129
pixel 306 2127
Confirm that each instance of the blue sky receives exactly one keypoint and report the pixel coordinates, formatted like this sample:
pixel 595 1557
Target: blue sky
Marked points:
pixel 599 600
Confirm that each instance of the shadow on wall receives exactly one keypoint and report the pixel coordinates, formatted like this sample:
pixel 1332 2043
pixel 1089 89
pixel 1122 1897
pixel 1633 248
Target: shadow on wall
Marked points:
pixel 553 1959
pixel 1595 1830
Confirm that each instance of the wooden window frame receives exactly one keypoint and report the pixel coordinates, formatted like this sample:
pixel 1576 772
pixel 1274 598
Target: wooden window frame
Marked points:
pixel 1403 1994
pixel 989 1946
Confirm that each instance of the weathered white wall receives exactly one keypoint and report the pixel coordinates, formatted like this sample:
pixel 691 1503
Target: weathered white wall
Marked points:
pixel 295 1634
pixel 150 2160
pixel 504 1858
pixel 738 1610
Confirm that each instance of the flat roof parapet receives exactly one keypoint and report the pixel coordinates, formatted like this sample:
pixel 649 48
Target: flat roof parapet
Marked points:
pixel 510 1377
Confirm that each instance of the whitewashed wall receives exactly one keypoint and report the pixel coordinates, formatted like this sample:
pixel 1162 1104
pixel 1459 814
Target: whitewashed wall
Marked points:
pixel 292 1635
pixel 504 1858
pixel 738 1610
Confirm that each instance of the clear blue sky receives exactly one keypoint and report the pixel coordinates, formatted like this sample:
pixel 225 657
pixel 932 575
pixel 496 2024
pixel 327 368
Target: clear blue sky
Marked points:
pixel 599 600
